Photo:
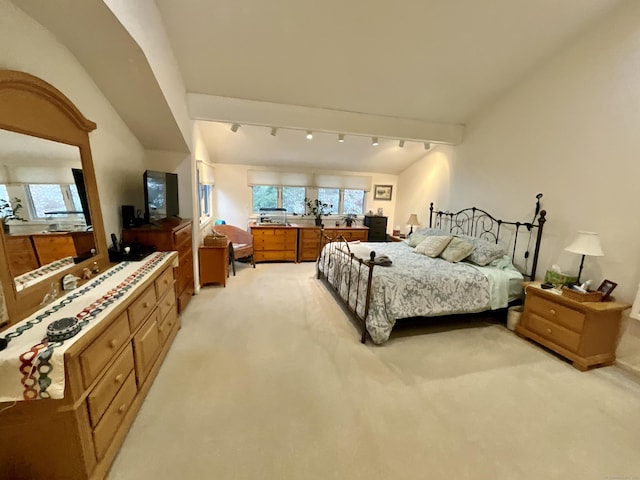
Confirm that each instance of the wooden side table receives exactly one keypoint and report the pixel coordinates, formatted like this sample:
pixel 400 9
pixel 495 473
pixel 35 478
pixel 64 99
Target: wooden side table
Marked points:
pixel 584 332
pixel 214 264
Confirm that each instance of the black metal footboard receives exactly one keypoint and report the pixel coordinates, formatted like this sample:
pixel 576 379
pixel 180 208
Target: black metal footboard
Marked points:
pixel 349 277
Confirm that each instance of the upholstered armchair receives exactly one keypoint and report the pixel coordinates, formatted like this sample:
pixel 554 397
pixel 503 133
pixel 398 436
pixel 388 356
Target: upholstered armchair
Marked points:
pixel 241 243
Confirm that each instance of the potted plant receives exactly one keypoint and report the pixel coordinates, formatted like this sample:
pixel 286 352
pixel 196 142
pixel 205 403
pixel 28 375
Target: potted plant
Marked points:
pixel 349 219
pixel 9 210
pixel 317 209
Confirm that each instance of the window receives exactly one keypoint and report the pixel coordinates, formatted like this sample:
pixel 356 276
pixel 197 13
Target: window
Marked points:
pixel 353 202
pixel 273 196
pixel 205 194
pixel 330 196
pixel 4 195
pixel 265 196
pixel 47 198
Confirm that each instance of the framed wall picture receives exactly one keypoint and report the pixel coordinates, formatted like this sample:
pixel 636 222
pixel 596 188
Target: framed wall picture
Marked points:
pixel 382 192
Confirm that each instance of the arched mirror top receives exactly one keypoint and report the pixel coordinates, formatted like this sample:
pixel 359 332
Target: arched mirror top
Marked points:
pixel 33 107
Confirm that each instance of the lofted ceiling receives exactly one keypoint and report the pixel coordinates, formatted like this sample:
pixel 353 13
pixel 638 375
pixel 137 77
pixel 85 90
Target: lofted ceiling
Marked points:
pixel 418 70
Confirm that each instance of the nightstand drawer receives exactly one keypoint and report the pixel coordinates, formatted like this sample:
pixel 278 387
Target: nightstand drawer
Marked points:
pixel 556 313
pixel 551 331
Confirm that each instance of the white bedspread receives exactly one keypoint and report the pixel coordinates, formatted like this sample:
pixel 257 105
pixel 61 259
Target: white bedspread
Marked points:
pixel 416 285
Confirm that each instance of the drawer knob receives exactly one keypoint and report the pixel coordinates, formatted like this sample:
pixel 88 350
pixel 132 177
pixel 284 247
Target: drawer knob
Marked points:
pixel 166 281
pixel 168 303
pixel 119 378
pixel 145 304
pixel 122 408
pixel 113 343
pixel 552 311
pixel 548 330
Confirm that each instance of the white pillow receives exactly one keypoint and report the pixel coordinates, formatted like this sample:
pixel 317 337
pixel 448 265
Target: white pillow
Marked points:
pixel 457 250
pixel 433 246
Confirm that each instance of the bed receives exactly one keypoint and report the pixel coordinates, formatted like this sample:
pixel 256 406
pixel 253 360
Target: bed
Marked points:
pixel 381 283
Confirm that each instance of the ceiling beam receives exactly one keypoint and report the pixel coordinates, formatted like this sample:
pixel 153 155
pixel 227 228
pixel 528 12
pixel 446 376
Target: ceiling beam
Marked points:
pixel 252 112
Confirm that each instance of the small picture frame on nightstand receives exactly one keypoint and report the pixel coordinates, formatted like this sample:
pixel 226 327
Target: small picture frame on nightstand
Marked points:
pixel 606 287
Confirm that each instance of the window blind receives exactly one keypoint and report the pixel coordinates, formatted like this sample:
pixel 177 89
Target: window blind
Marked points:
pixel 352 182
pixel 206 173
pixel 284 178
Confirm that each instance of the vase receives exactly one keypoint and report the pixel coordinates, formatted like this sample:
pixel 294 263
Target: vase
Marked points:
pixel 318 222
pixel 5 227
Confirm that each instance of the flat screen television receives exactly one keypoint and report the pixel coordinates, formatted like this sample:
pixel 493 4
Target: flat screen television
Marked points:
pixel 160 196
pixel 78 178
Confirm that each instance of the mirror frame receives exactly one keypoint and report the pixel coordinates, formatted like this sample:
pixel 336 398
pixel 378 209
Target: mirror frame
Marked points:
pixel 31 106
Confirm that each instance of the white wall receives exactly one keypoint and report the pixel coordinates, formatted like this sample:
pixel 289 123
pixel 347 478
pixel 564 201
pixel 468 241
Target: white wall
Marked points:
pixel 117 154
pixel 232 195
pixel 570 131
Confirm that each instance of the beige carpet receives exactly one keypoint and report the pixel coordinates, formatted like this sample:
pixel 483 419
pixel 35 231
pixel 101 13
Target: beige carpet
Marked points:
pixel 267 380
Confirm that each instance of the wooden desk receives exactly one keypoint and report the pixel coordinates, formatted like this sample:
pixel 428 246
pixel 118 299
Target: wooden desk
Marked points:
pixel 214 264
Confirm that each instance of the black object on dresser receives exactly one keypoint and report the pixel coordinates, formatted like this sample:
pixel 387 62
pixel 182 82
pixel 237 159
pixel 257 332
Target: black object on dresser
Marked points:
pixel 377 228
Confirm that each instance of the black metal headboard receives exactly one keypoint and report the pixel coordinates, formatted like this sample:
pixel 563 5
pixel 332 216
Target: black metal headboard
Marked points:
pixel 478 223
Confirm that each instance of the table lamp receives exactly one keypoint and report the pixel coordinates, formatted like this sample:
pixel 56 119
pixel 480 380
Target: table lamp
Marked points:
pixel 413 220
pixel 585 243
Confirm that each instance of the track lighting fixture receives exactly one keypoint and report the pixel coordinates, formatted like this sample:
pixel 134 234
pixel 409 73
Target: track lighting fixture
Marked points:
pixel 235 127
pixel 309 135
pixel 341 137
pixel 401 143
pixel 374 141
pixel 427 145
pixel 273 131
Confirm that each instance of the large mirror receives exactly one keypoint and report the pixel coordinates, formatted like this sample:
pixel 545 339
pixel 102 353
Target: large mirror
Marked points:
pixel 52 221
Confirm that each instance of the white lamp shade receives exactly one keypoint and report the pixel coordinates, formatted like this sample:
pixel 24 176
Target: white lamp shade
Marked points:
pixel 413 220
pixel 586 243
pixel 635 309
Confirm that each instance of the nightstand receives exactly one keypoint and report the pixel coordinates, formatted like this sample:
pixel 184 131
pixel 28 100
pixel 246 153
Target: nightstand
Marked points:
pixel 584 332
pixel 214 264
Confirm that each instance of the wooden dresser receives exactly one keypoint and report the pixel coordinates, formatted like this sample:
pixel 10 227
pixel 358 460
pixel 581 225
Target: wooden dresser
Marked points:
pixel 377 227
pixel 166 236
pixel 349 233
pixel 109 371
pixel 584 332
pixel 214 264
pixel 309 243
pixel 274 243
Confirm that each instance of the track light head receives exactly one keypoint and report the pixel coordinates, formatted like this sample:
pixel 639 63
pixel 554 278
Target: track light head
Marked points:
pixel 401 143
pixel 235 127
pixel 309 135
pixel 341 137
pixel 273 131
pixel 427 145
pixel 374 141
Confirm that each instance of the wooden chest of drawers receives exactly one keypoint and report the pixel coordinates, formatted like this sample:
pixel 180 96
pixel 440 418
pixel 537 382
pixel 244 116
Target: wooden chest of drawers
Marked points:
pixel 586 333
pixel 166 236
pixel 109 371
pixel 349 233
pixel 377 228
pixel 309 243
pixel 274 243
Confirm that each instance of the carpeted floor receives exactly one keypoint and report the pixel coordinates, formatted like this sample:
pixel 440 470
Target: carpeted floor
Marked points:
pixel 268 380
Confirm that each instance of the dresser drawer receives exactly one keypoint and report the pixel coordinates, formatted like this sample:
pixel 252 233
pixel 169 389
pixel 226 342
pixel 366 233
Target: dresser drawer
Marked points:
pixel 164 282
pixel 146 345
pixel 167 303
pixel 556 333
pixel 182 236
pixel 166 325
pixel 112 418
pixel 556 313
pixel 142 307
pixel 275 255
pixel 101 396
pixel 97 355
